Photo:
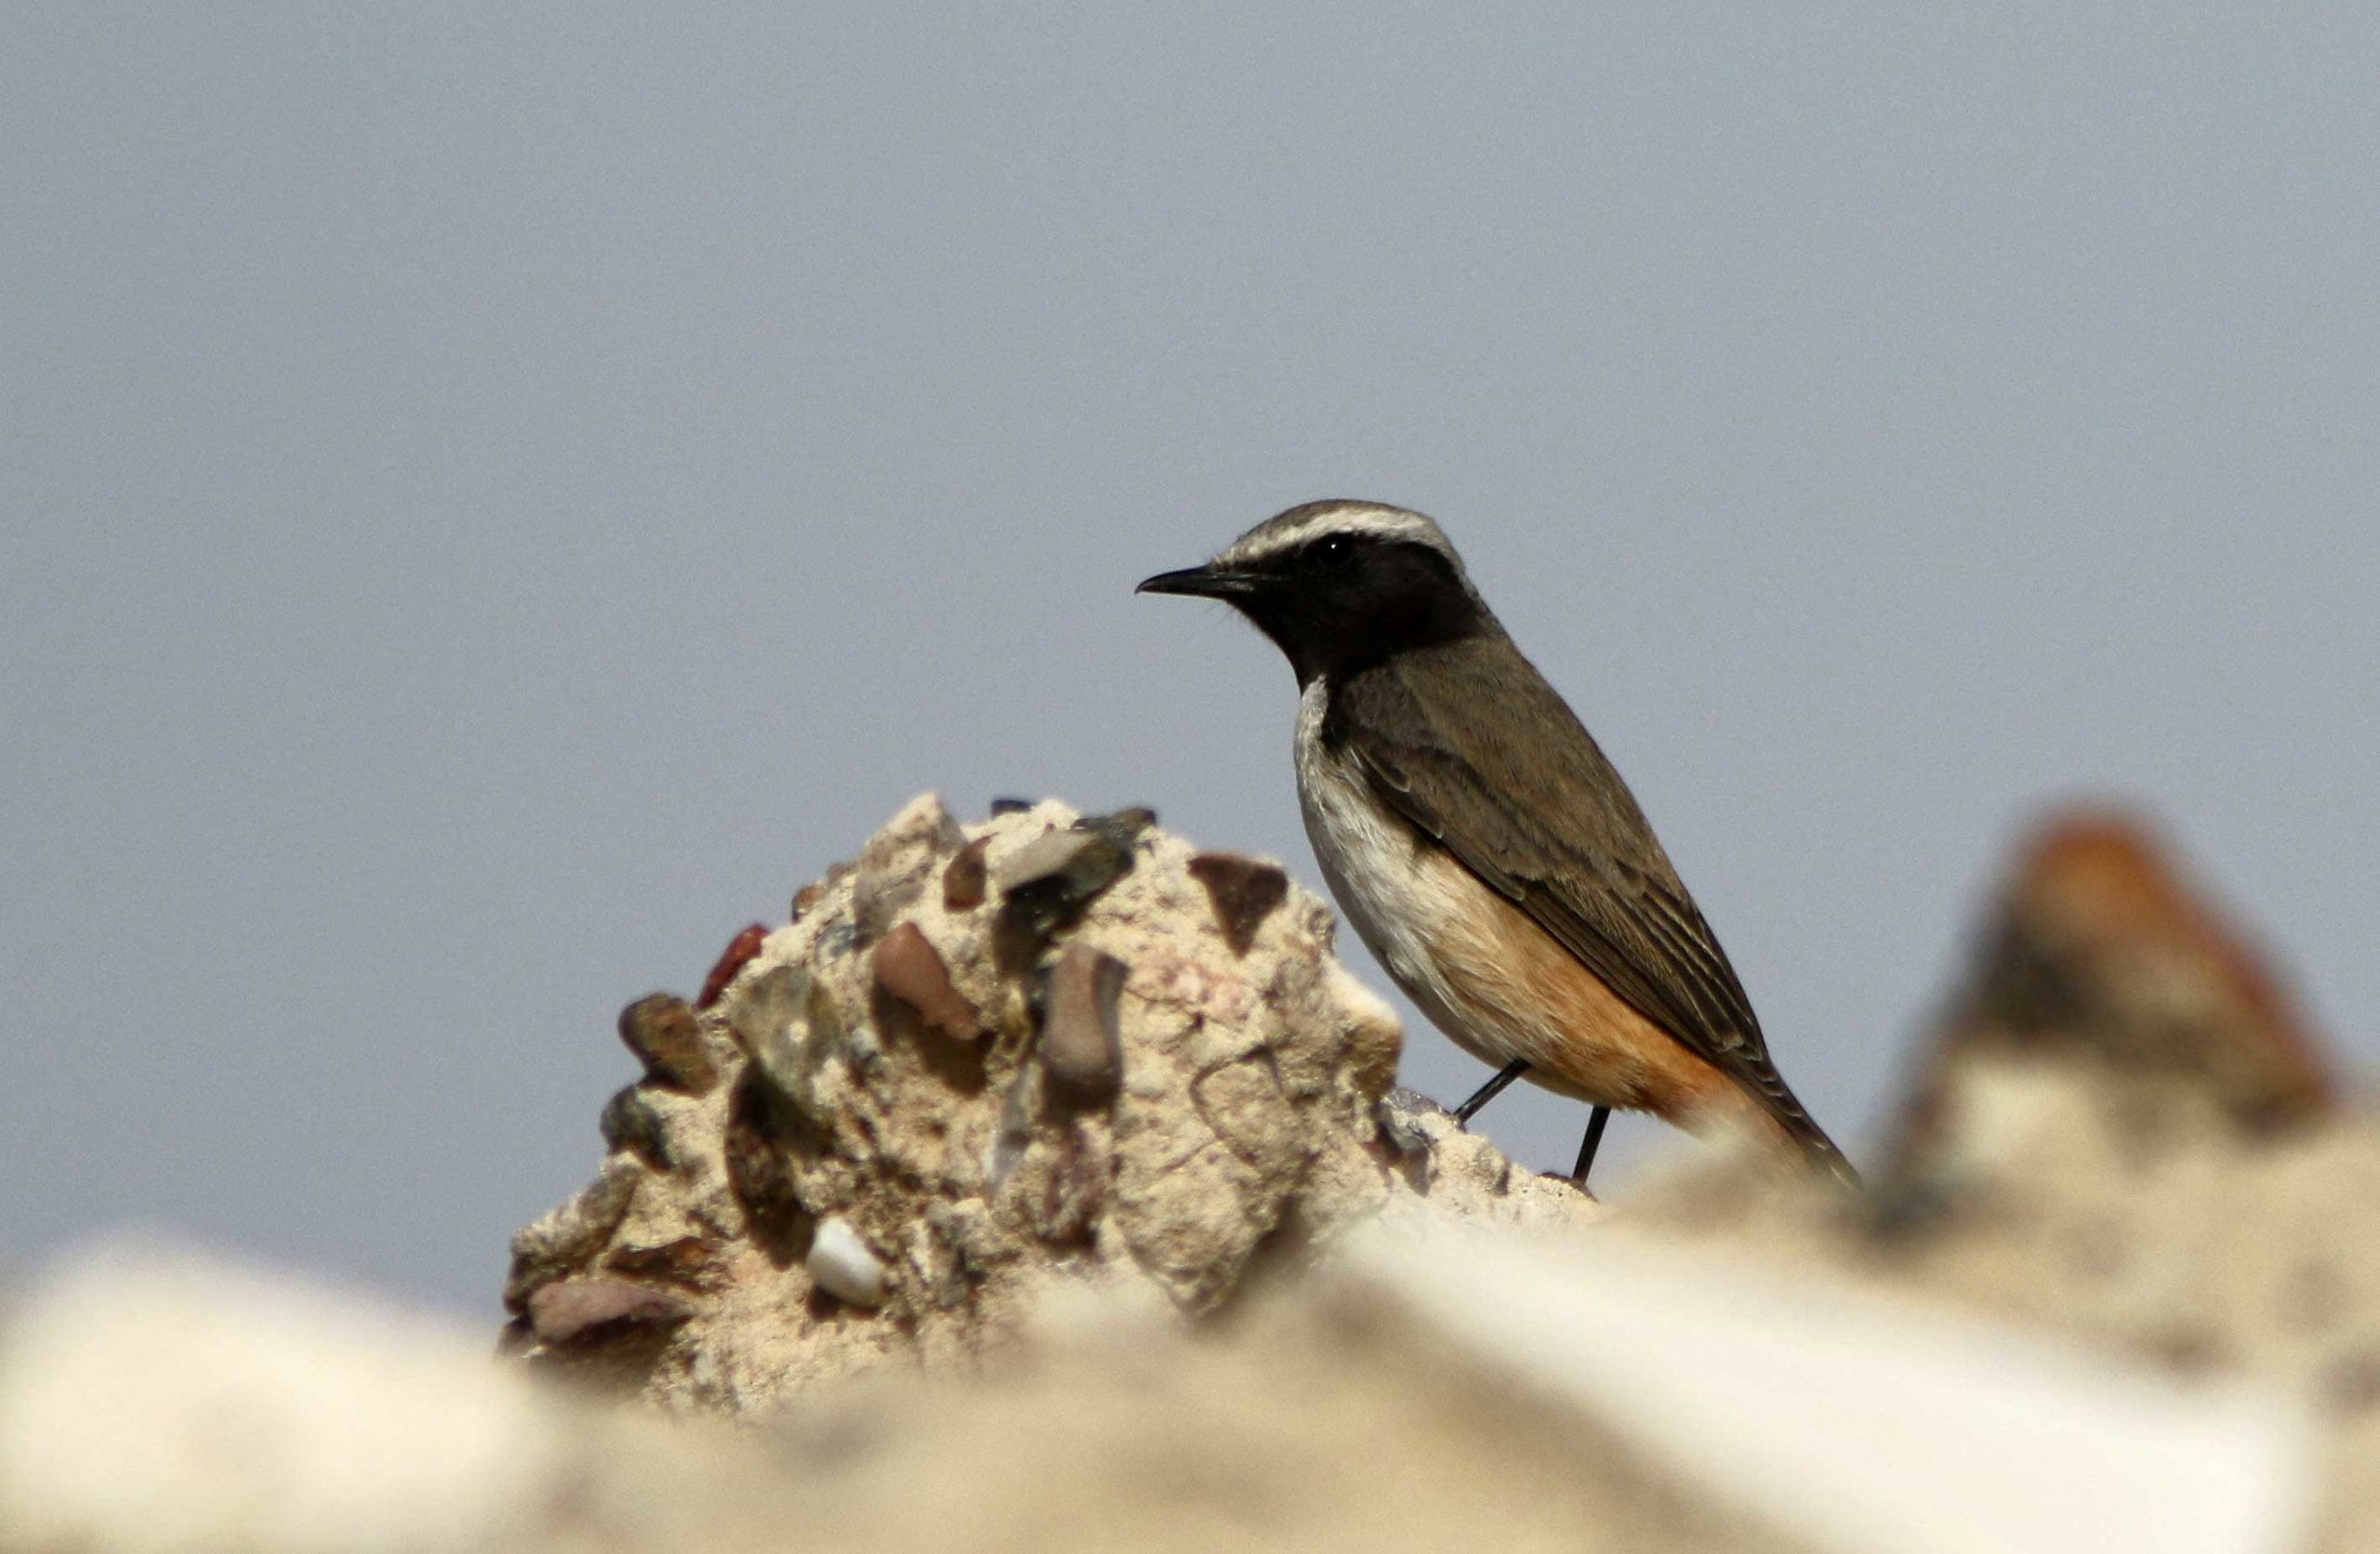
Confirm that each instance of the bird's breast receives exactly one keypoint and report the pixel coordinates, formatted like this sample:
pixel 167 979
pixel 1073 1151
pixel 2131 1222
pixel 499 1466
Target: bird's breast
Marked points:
pixel 1379 870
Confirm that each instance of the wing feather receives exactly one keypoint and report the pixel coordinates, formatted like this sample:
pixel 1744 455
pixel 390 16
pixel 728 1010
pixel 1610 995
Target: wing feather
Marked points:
pixel 1525 799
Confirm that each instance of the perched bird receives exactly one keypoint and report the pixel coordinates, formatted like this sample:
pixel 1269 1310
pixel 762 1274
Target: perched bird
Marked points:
pixel 1485 849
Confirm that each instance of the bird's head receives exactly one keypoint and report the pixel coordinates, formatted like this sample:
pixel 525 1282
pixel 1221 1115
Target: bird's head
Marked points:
pixel 1340 584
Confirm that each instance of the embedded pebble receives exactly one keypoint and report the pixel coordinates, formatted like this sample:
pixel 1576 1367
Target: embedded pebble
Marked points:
pixel 572 1233
pixel 964 879
pixel 909 967
pixel 1399 1114
pixel 1121 827
pixel 567 1308
pixel 688 1260
pixel 1064 1202
pixel 631 1124
pixel 1243 890
pixel 878 901
pixel 661 1031
pixel 1015 1135
pixel 738 955
pixel 1048 856
pixel 1049 880
pixel 756 1170
pixel 1080 1046
pixel 783 1020
pixel 840 1263
pixel 1399 1117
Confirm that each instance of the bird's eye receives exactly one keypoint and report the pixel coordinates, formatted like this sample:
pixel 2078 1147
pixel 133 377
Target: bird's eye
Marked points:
pixel 1332 549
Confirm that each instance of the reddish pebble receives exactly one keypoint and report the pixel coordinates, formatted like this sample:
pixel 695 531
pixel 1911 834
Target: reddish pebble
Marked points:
pixel 964 880
pixel 911 969
pixel 739 953
pixel 562 1311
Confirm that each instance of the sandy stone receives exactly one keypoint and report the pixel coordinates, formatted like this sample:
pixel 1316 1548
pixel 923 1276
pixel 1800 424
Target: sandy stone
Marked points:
pixel 1259 1296
pixel 1237 1127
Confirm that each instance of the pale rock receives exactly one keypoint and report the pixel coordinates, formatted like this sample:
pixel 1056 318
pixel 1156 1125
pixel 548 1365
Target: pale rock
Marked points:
pixel 1245 1137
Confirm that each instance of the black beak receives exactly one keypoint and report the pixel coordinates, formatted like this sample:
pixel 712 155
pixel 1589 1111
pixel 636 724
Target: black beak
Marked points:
pixel 1207 582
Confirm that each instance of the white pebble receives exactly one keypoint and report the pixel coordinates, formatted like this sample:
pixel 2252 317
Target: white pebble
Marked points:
pixel 841 1264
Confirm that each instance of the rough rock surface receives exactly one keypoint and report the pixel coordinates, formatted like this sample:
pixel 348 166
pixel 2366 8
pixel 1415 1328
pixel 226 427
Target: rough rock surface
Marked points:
pixel 981 1062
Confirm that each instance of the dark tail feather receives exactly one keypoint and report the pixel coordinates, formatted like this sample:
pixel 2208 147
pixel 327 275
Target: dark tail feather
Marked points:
pixel 1821 1151
pixel 1786 1107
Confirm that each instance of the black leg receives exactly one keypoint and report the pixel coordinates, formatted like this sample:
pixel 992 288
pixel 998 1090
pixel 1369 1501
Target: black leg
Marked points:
pixel 1490 1090
pixel 1587 1146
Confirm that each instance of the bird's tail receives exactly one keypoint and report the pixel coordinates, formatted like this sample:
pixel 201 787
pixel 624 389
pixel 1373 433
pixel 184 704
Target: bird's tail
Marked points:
pixel 1789 1122
pixel 1821 1151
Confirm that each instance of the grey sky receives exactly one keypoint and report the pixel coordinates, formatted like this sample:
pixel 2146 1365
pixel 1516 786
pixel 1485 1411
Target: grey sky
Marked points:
pixel 492 502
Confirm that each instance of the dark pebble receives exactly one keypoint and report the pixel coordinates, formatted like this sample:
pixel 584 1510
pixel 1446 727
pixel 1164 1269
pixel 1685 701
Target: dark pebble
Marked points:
pixel 664 1035
pixel 1244 892
pixel 1053 877
pixel 738 955
pixel 963 879
pixel 629 1123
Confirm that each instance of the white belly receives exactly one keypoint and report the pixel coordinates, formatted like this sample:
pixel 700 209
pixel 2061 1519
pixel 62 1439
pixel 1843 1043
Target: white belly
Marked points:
pixel 1402 911
pixel 1490 978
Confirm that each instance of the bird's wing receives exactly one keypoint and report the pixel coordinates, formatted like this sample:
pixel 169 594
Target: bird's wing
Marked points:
pixel 1482 753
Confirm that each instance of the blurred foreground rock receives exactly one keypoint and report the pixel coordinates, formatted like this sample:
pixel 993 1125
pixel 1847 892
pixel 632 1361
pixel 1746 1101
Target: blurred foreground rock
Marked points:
pixel 983 1062
pixel 1427 1389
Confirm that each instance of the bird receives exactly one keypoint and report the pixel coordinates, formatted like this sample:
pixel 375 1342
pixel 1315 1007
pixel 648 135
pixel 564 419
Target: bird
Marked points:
pixel 1487 852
